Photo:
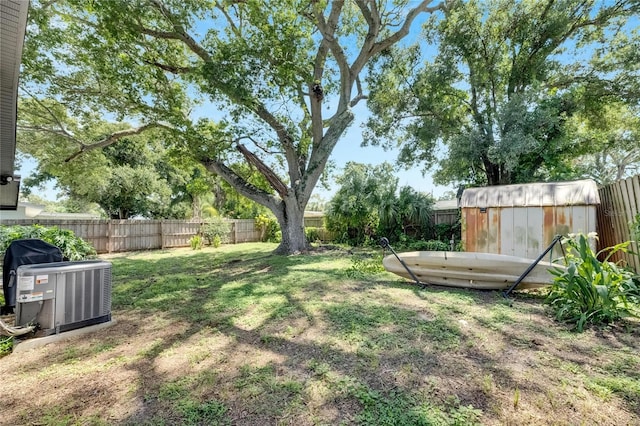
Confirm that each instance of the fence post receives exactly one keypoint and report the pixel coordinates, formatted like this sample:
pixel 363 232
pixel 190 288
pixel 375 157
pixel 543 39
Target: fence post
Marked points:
pixel 235 232
pixel 109 237
pixel 161 234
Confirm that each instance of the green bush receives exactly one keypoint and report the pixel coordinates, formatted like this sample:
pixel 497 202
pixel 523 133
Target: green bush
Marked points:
pixel 590 291
pixel 6 345
pixel 444 231
pixel 72 247
pixel 269 228
pixel 196 242
pixel 431 245
pixel 216 226
pixel 312 234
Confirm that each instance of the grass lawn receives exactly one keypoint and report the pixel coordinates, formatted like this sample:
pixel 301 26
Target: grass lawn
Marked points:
pixel 237 336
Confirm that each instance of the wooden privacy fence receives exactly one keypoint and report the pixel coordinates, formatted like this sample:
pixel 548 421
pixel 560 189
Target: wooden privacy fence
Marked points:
pixel 108 236
pixel 445 217
pixel 619 206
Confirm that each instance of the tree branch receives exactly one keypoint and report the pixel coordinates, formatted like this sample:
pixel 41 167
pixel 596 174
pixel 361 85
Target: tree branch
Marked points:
pixel 360 96
pixel 269 174
pixel 257 144
pixel 328 28
pixel 173 69
pixel 114 137
pixel 257 107
pixel 316 104
pixel 62 132
pixel 241 185
pixel 232 24
pixel 370 49
pixel 179 32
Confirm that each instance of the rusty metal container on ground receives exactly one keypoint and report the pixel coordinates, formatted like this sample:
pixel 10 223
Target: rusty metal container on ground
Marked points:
pixel 522 219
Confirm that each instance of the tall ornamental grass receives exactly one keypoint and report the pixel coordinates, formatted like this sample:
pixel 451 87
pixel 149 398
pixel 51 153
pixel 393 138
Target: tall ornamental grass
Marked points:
pixel 590 291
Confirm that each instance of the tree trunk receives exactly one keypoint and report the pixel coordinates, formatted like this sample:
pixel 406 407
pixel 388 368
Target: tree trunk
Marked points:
pixel 291 221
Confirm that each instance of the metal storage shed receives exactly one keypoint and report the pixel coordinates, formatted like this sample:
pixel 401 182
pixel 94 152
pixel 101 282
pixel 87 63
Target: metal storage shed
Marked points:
pixel 522 220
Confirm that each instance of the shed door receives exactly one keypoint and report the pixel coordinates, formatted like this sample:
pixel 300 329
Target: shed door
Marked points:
pixel 522 231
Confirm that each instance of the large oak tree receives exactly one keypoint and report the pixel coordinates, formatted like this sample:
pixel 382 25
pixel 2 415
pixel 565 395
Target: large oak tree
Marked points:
pixel 281 78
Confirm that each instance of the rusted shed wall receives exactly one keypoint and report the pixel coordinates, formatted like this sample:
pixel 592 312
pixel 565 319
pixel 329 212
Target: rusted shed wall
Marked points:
pixel 522 220
pixel 522 231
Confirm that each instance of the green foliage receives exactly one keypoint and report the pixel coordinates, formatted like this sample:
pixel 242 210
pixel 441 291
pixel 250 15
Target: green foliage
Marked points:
pixel 262 67
pixel 6 345
pixel 133 177
pixel 352 212
pixel 312 233
pixel 269 228
pixel 590 291
pixel 72 247
pixel 445 231
pixel 196 242
pixel 216 241
pixel 496 94
pixel 634 227
pixel 366 205
pixel 216 227
pixel 409 214
pixel 612 133
pixel 430 245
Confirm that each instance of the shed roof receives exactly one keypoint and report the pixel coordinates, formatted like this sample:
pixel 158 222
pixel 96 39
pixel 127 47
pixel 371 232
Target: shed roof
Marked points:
pixel 573 193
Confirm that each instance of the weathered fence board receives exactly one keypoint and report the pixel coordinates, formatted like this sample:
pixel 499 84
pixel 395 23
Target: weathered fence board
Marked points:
pixel 244 231
pixel 446 217
pixel 314 222
pixel 619 205
pixel 130 235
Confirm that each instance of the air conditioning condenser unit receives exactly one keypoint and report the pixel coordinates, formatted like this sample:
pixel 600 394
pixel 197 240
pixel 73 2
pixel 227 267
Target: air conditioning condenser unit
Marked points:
pixel 63 296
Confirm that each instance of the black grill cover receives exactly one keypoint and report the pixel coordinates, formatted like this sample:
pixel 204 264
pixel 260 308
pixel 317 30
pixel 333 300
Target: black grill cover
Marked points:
pixel 24 252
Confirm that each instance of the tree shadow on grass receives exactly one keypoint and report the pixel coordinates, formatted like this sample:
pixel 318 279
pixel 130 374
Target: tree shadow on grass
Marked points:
pixel 252 342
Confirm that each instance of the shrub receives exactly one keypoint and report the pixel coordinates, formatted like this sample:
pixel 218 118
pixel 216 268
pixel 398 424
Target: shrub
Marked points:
pixel 312 233
pixel 431 245
pixel 72 247
pixel 216 241
pixel 590 291
pixel 196 242
pixel 444 231
pixel 216 226
pixel 6 345
pixel 269 228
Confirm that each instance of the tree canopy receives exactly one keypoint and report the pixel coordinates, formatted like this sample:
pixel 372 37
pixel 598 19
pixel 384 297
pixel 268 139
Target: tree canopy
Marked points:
pixel 507 77
pixel 614 137
pixel 134 177
pixel 278 79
